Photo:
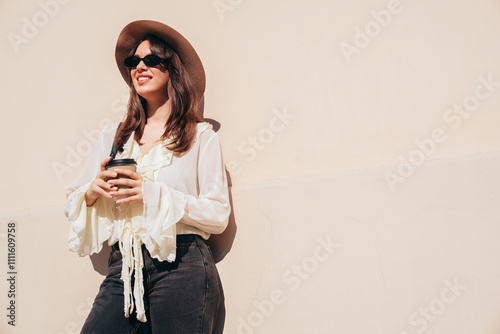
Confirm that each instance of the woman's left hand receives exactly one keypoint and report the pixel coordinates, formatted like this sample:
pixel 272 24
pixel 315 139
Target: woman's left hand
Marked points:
pixel 134 193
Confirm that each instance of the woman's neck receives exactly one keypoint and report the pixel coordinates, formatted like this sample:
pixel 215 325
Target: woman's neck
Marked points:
pixel 159 112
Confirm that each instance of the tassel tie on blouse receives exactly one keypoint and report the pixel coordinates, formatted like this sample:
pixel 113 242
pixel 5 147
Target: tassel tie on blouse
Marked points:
pixel 132 261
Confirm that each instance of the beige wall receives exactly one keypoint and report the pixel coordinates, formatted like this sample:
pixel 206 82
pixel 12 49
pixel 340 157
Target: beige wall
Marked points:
pixel 361 138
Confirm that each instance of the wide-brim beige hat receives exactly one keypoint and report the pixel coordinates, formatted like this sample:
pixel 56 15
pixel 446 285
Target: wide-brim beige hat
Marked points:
pixel 137 30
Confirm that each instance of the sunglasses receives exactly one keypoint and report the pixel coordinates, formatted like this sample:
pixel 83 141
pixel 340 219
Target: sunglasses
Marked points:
pixel 149 60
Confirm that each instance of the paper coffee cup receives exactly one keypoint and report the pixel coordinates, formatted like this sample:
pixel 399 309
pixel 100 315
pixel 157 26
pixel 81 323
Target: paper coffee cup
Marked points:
pixel 129 164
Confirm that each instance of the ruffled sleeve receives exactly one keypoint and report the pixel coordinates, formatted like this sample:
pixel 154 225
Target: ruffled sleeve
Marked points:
pixel 209 211
pixel 90 226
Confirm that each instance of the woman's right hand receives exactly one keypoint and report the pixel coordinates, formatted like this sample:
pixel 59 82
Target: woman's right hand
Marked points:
pixel 100 186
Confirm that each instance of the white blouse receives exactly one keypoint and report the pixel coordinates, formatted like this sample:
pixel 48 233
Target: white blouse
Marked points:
pixel 182 194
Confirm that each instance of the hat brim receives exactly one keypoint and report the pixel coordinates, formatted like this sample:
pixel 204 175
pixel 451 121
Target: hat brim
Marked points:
pixel 137 30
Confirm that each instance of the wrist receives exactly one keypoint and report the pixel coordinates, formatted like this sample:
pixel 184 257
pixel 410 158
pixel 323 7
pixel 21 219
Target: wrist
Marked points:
pixel 89 200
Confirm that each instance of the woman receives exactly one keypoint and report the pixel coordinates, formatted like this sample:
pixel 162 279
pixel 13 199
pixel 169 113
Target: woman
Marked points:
pixel 161 277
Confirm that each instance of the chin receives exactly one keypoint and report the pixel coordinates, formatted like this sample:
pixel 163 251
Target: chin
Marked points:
pixel 149 95
pixel 144 90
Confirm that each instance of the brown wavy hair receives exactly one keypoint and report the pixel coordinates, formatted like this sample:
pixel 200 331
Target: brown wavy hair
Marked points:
pixel 180 128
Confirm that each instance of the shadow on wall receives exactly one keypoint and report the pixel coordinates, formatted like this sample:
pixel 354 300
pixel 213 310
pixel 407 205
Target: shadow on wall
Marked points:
pixel 220 244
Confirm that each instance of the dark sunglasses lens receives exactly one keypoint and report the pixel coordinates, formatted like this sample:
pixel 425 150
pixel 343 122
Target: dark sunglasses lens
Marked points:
pixel 152 60
pixel 131 61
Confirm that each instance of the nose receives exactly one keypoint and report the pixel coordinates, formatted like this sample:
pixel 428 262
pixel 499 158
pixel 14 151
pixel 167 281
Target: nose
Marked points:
pixel 141 65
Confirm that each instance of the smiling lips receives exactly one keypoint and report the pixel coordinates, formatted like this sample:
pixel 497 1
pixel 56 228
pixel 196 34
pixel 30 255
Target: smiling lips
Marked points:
pixel 142 79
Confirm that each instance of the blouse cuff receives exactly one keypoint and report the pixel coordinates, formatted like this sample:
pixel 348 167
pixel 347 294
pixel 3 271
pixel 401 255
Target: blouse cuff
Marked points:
pixel 90 226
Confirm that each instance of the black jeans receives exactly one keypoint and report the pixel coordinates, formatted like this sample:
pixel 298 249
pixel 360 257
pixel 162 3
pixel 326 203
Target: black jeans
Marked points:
pixel 181 297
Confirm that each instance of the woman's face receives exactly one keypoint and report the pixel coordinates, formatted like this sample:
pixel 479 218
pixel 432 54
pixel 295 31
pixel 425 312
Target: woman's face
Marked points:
pixel 149 82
